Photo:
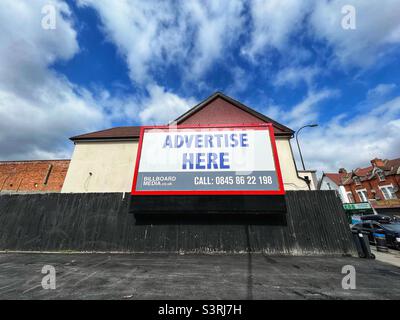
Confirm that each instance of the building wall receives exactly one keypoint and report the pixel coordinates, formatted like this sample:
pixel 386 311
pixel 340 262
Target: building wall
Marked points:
pixel 112 167
pixel 312 176
pixel 343 194
pixel 101 167
pixel 289 172
pixel 328 184
pixel 39 176
pixel 374 185
pixel 220 111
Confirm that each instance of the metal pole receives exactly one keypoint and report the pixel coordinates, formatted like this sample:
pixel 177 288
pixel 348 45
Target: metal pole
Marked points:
pixel 298 145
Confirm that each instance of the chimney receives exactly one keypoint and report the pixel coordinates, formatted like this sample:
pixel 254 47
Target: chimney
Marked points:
pixel 377 162
pixel 342 170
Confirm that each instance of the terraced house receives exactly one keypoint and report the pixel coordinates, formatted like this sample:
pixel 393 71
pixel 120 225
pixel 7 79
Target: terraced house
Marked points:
pixel 378 184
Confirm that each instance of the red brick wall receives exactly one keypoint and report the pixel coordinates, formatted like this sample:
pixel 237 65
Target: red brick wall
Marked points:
pixel 220 111
pixel 374 185
pixel 30 176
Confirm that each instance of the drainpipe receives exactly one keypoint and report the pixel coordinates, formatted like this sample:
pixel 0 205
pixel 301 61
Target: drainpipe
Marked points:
pixel 22 179
pixel 306 180
pixel 46 178
pixel 4 182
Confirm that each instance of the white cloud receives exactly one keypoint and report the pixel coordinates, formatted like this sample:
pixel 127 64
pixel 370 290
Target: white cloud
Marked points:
pixel 381 90
pixel 292 76
pixel 162 106
pixel 305 112
pixel 241 79
pixel 279 24
pixel 191 36
pixel 217 25
pixel 347 140
pixel 144 32
pixel 155 106
pixel 151 35
pixel 39 109
pixel 273 22
pixel 377 27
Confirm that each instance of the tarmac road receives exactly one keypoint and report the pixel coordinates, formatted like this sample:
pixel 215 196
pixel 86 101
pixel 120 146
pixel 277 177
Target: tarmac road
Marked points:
pixel 193 276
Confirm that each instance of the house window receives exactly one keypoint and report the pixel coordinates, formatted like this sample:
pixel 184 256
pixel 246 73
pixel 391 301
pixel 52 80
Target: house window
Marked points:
pixel 388 192
pixel 350 197
pixel 381 175
pixel 363 195
pixel 357 180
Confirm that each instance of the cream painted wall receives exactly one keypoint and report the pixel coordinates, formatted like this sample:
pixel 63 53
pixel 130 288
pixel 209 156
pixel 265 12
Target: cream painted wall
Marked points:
pixel 288 167
pixel 312 176
pixel 112 166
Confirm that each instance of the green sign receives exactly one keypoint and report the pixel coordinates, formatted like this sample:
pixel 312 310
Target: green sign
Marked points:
pixel 357 206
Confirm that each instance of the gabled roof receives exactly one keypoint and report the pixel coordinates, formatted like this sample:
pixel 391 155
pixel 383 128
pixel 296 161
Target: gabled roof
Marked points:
pixel 133 132
pixel 335 177
pixel 362 172
pixel 393 166
pixel 237 104
pixel 389 167
pixel 117 133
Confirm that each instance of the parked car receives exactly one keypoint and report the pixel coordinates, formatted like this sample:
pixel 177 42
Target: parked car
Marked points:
pixel 379 218
pixel 390 230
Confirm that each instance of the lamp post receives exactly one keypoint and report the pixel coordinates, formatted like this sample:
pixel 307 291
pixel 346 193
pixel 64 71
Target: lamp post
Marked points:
pixel 297 140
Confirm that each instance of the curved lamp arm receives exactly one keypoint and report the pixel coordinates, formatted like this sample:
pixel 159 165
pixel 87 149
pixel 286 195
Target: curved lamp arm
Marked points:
pixel 297 141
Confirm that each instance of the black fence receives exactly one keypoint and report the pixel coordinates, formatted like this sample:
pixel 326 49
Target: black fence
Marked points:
pixel 315 224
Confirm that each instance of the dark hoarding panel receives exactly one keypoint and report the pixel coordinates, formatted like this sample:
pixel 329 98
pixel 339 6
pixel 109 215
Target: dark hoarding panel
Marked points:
pixel 315 223
pixel 190 204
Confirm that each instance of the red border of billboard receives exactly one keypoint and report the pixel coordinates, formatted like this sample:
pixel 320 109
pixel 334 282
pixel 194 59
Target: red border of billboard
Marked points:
pixel 281 190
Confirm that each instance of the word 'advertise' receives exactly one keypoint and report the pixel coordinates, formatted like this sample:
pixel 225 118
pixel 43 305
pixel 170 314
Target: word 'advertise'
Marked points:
pixel 209 160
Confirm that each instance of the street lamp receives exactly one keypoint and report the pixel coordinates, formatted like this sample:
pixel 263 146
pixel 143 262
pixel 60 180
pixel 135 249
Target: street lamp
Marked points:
pixel 297 140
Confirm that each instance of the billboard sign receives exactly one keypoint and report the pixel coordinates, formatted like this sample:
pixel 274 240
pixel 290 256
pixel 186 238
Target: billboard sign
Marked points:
pixel 228 159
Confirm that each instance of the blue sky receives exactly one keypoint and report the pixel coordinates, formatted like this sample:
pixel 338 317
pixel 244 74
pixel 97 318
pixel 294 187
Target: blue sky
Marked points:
pixel 112 63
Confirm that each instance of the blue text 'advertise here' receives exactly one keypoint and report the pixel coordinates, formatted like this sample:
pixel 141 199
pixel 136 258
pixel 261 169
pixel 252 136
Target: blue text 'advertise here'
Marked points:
pixel 206 160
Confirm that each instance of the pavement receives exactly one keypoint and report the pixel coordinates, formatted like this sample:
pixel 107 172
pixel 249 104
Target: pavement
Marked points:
pixel 392 256
pixel 193 276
